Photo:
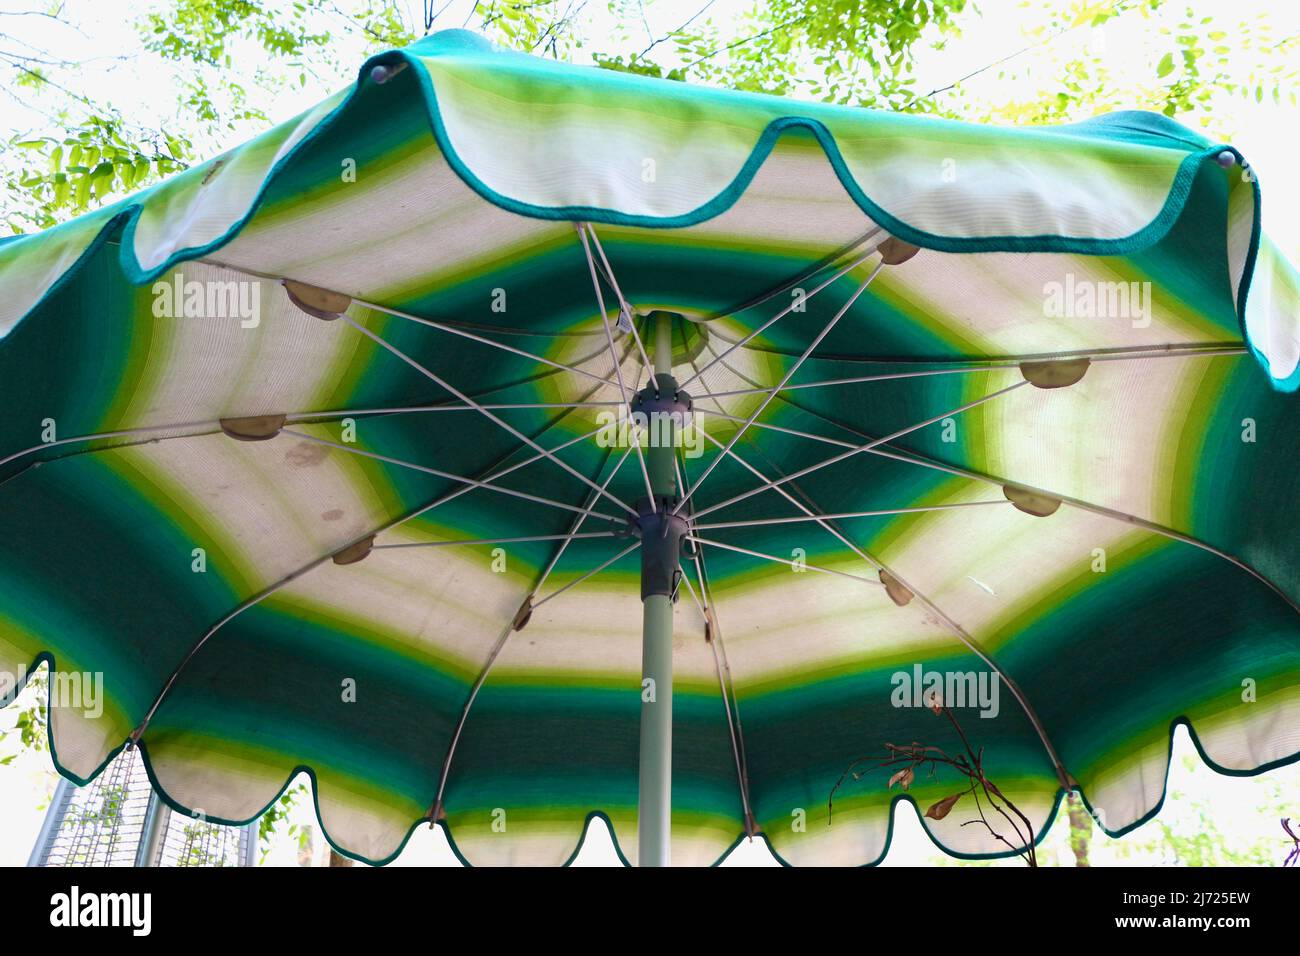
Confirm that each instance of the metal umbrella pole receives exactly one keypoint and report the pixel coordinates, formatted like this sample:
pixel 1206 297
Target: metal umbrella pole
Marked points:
pixel 666 409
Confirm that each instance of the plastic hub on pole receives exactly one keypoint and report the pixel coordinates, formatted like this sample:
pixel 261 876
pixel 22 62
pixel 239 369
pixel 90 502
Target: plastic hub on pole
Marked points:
pixel 661 534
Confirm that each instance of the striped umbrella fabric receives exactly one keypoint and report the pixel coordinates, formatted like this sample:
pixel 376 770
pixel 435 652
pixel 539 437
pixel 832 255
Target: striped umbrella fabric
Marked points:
pixel 318 456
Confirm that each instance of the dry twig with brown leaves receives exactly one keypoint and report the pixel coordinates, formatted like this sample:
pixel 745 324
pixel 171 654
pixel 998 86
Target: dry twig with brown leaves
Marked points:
pixel 906 761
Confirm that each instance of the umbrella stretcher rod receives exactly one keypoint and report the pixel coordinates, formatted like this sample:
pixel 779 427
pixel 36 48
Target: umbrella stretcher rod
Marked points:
pixel 661 534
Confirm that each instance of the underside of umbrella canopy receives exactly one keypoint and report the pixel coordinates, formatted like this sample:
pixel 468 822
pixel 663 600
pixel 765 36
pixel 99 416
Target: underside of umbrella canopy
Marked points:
pixel 316 454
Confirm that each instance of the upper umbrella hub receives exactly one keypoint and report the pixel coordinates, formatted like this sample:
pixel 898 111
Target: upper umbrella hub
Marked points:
pixel 663 400
pixel 660 412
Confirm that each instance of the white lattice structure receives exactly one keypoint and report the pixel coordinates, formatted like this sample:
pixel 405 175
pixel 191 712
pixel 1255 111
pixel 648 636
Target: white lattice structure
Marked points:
pixel 117 820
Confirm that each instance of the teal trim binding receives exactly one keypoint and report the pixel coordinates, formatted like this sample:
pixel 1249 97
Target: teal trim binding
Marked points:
pixel 1126 126
pixel 47 658
pixel 1290 383
pixel 724 200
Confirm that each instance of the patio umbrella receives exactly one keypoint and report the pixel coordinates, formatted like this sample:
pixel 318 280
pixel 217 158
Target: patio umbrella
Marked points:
pixel 504 443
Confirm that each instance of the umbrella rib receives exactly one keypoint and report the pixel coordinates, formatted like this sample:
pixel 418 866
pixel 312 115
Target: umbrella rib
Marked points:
pixel 822 520
pixel 912 458
pixel 773 392
pixel 209 426
pixel 704 614
pixel 822 265
pixel 1168 352
pixel 826 439
pixel 839 274
pixel 485 541
pixel 967 369
pixel 790 431
pixel 411 409
pixel 559 552
pixel 759 390
pixel 793 564
pixel 608 272
pixel 476 338
pixel 809 512
pixel 410 317
pixel 1117 353
pixel 838 442
pixel 473 482
pixel 849 514
pixel 432 376
pixel 436 810
pixel 192 429
pixel 614 357
pixel 1062 774
pixel 625 307
pixel 594 571
pixel 721 666
pixel 726 706
pixel 861 448
pixel 299 572
pixel 250 602
pixel 734 702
